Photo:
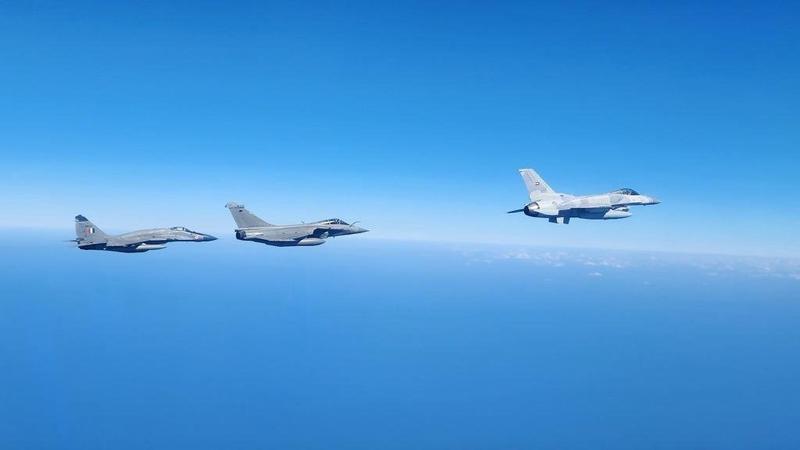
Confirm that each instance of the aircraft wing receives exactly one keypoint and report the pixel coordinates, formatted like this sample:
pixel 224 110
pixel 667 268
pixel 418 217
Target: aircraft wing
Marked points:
pixel 133 242
pixel 134 246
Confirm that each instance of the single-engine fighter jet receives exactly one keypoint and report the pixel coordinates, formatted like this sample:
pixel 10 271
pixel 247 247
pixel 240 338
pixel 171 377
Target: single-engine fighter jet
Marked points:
pixel 252 228
pixel 89 237
pixel 559 208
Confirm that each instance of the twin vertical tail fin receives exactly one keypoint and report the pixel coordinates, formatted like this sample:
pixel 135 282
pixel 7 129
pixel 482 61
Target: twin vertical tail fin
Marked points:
pixel 244 218
pixel 87 233
pixel 534 183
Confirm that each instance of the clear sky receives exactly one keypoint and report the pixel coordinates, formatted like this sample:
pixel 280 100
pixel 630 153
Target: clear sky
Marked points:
pixel 410 117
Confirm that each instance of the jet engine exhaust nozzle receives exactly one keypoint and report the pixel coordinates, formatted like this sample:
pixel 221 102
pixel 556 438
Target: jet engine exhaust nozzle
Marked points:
pixel 530 210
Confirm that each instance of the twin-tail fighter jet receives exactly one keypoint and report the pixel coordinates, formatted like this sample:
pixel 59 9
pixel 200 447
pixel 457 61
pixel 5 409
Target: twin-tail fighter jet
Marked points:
pixel 252 228
pixel 89 237
pixel 560 208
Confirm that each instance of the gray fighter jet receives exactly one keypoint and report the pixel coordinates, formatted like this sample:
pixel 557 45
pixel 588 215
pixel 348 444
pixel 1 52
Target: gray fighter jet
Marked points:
pixel 89 237
pixel 251 228
pixel 559 208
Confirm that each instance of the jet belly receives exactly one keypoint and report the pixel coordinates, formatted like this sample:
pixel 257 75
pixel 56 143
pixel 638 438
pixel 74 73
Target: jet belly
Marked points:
pixel 281 236
pixel 310 241
pixel 603 213
pixel 135 248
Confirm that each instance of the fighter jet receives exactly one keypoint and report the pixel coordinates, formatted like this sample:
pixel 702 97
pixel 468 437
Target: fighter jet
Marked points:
pixel 252 228
pixel 89 237
pixel 559 208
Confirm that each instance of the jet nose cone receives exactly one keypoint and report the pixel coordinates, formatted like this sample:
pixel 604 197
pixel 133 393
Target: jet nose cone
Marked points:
pixel 357 230
pixel 209 238
pixel 654 201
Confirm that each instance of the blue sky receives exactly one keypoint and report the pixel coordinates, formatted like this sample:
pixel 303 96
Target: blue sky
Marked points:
pixel 412 118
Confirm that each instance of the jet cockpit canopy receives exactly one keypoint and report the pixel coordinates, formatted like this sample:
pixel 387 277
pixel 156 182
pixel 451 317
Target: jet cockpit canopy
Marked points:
pixel 335 222
pixel 625 191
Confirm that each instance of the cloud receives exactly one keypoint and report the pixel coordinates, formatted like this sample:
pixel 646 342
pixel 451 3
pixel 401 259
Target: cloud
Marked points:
pixel 717 266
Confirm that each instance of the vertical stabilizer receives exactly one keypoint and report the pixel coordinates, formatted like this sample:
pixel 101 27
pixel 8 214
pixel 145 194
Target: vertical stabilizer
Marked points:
pixel 87 233
pixel 244 218
pixel 534 183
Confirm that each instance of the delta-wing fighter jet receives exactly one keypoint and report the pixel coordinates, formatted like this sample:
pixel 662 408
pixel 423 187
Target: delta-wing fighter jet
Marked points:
pixel 252 228
pixel 89 237
pixel 559 208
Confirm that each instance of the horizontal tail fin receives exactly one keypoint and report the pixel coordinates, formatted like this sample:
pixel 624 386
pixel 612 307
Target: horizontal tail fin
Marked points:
pixel 244 218
pixel 87 233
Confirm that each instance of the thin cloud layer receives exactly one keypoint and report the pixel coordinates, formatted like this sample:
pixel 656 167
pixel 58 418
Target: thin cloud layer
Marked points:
pixel 601 261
